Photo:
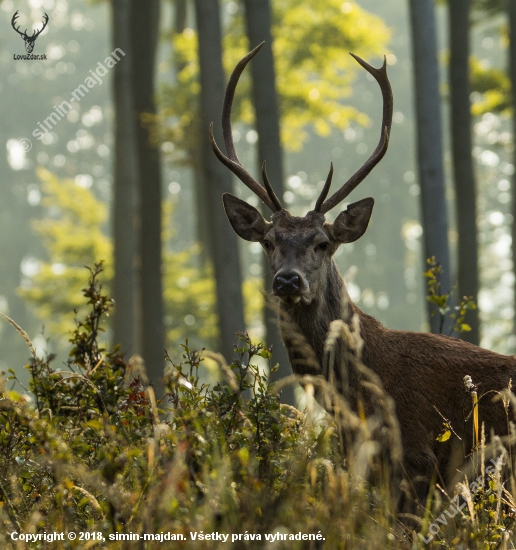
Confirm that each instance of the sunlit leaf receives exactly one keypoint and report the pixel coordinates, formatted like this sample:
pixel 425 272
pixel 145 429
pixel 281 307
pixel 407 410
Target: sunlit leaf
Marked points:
pixel 444 436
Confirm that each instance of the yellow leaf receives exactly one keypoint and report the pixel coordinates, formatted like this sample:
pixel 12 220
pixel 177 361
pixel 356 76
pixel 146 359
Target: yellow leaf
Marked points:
pixel 444 436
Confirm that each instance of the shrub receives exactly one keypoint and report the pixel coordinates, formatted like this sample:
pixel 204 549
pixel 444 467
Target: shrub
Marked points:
pixel 90 450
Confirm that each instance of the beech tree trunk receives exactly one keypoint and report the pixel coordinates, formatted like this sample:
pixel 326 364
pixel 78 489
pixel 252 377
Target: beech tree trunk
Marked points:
pixel 429 142
pixel 145 32
pixel 179 16
pixel 125 186
pixel 512 75
pixel 265 99
pixel 463 173
pixel 217 178
pixel 201 205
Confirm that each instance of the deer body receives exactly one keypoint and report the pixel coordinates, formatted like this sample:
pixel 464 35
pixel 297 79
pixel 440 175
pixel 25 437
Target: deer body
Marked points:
pixel 423 373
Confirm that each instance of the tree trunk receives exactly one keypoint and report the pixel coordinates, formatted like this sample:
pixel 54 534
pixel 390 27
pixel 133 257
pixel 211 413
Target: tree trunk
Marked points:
pixel 512 75
pixel 201 205
pixel 265 99
pixel 179 16
pixel 223 241
pixel 125 187
pixel 463 175
pixel 145 32
pixel 429 142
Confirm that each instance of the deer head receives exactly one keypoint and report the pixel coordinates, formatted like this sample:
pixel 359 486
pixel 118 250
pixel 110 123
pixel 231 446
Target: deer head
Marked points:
pixel 299 249
pixel 29 40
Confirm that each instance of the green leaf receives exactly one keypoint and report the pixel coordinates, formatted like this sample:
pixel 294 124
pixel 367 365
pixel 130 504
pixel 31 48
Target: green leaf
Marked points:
pixel 265 353
pixel 83 502
pixel 95 424
pixel 444 436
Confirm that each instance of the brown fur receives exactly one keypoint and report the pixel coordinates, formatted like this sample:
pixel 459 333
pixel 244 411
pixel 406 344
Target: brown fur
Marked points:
pixel 423 373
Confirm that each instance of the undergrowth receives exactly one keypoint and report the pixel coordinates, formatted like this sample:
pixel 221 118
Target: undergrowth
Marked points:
pixel 87 449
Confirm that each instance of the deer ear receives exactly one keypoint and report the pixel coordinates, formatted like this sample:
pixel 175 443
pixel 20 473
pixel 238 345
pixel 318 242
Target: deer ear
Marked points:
pixel 247 222
pixel 351 224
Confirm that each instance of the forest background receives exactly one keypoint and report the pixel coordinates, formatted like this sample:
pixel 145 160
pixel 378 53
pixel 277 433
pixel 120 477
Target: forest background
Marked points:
pixel 130 164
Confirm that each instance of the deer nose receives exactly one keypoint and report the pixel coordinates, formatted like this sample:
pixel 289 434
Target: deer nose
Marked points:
pixel 286 282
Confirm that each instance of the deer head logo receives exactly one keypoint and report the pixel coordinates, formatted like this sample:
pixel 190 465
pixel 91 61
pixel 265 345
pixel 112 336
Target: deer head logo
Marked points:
pixel 29 40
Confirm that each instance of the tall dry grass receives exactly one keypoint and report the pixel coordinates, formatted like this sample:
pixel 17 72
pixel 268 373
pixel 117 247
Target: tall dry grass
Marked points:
pixel 89 449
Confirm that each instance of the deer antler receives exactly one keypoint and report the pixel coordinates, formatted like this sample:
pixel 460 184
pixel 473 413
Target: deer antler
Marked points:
pixel 380 76
pixel 35 34
pixel 13 23
pixel 266 194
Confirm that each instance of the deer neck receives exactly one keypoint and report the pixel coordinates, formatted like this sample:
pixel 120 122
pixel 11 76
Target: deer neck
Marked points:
pixel 313 321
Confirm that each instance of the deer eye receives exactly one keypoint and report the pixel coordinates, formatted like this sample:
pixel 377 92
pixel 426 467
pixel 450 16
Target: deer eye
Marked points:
pixel 267 245
pixel 323 246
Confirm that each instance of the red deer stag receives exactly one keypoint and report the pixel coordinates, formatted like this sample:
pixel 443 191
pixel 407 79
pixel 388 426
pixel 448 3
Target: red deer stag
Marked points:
pixel 423 373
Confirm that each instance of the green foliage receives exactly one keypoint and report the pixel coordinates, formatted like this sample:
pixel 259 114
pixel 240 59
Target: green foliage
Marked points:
pixel 442 300
pixel 491 7
pixel 178 122
pixel 74 235
pixel 189 300
pixel 494 88
pixel 314 72
pixel 485 522
pixel 491 87
pixel 493 84
pixel 94 452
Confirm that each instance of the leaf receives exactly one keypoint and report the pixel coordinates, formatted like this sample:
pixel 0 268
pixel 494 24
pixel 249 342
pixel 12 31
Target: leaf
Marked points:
pixel 14 396
pixel 94 424
pixel 265 353
pixel 444 436
pixel 83 502
pixel 464 327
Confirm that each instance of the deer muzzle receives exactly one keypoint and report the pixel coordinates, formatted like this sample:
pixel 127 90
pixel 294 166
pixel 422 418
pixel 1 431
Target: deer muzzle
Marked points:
pixel 287 284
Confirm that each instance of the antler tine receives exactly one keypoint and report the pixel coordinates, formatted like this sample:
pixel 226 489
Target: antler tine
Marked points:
pixel 325 189
pixel 380 76
pixel 231 161
pixel 241 173
pixel 13 22
pixel 269 189
pixel 36 33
